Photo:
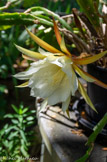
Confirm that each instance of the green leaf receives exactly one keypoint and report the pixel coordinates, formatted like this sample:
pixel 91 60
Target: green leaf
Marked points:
pixel 97 129
pixel 23 136
pixel 7 130
pixel 24 152
pixel 5 27
pixel 30 123
pixel 25 110
pixel 9 116
pixel 29 118
pixel 86 155
pixel 14 121
pixel 15 109
pixel 12 134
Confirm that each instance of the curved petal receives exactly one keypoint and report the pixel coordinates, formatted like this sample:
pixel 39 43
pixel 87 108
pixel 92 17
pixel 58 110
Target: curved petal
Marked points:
pixel 29 53
pixel 72 78
pixel 90 78
pixel 85 96
pixel 63 48
pixel 28 58
pixel 60 39
pixel 83 74
pixel 36 66
pixel 88 60
pixel 42 43
pixel 65 104
pixel 23 85
pixel 46 81
pixel 58 36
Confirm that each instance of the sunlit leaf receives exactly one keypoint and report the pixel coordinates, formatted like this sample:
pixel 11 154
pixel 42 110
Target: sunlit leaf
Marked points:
pixel 85 96
pixel 88 60
pixel 5 27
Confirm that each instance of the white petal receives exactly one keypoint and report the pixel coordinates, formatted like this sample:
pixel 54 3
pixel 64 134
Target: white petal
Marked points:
pixel 43 105
pixel 46 81
pixel 72 77
pixel 66 104
pixel 36 66
pixel 61 93
pixel 43 52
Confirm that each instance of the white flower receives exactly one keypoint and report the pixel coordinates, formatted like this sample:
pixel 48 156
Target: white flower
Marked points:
pixel 53 77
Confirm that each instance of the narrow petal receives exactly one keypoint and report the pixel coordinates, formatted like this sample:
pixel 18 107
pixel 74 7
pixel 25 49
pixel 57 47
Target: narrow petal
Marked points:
pixel 89 77
pixel 63 47
pixel 29 53
pixel 88 60
pixel 57 33
pixel 28 58
pixel 45 53
pixel 23 85
pixel 35 66
pixel 44 104
pixel 65 104
pixel 60 39
pixel 68 114
pixel 83 74
pixel 85 96
pixel 42 43
pixel 72 78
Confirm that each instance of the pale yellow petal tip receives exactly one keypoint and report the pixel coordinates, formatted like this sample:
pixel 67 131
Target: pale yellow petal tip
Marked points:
pixel 22 85
pixel 68 114
pixel 18 47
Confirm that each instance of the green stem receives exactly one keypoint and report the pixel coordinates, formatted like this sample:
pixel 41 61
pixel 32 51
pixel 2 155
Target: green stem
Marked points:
pixel 50 13
pixel 22 18
pixel 97 129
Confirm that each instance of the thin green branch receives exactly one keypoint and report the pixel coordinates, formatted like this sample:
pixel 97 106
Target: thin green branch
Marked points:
pixel 97 129
pixel 22 18
pixel 50 13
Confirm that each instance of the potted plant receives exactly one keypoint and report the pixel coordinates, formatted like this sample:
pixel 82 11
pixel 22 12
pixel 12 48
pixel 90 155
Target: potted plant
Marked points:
pixel 54 77
pixel 90 41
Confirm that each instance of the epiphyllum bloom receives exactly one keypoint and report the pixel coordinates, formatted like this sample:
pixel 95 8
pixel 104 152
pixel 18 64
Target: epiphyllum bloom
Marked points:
pixel 53 77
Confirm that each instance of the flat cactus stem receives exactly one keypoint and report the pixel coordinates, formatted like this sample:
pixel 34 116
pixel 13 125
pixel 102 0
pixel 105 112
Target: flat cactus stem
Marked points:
pixel 21 18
